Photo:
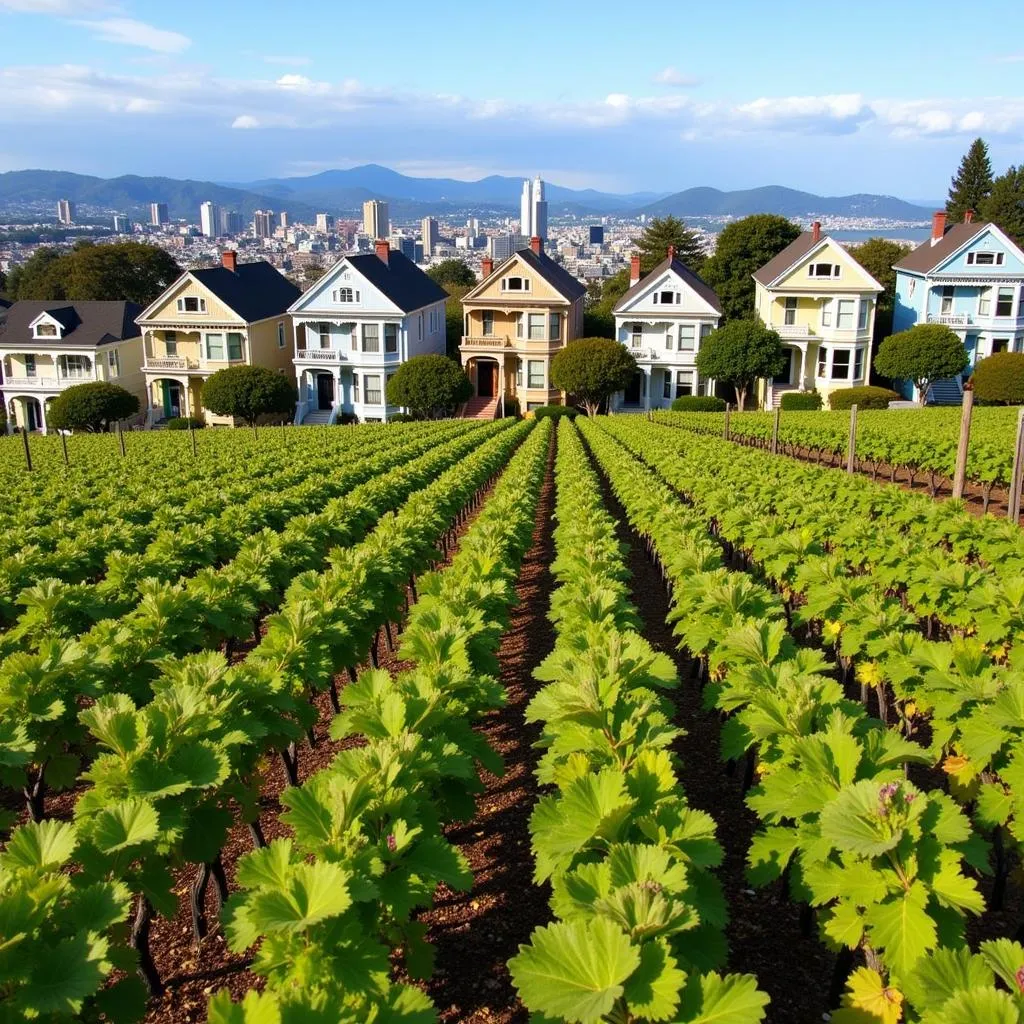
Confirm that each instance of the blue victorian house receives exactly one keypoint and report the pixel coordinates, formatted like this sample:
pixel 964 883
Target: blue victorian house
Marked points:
pixel 970 277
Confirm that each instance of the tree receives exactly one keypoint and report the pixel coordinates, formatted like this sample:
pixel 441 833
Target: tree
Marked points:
pixel 877 256
pixel 249 392
pixel 612 289
pixel 972 184
pixel 924 354
pixel 430 387
pixel 452 272
pixel 1005 206
pixel 999 378
pixel 454 322
pixel 37 277
pixel 745 246
pixel 740 353
pixel 3 282
pixel 662 232
pixel 591 370
pixel 93 406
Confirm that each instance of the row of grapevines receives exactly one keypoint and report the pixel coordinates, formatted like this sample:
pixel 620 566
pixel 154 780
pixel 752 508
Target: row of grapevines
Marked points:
pixel 171 769
pixel 842 826
pixel 368 844
pixel 640 913
pixel 40 737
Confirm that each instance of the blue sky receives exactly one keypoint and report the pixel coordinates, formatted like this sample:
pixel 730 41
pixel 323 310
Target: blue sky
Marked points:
pixel 651 95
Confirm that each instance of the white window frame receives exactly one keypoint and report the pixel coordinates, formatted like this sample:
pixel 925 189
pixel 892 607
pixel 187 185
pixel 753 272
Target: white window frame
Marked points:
pixel 393 328
pixel 323 333
pixel 113 363
pixel 540 328
pixel 687 337
pixel 850 312
pixel 365 338
pixel 1013 299
pixel 834 270
pixel 974 261
pixel 636 336
pixel 946 301
pixel 858 363
pixel 554 326
pixel 184 300
pixel 848 364
pixel 524 282
pixel 30 364
pixel 863 314
pixel 223 347
pixel 281 337
pixel 368 389
pixel 487 323
pixel 171 343
pixel 52 328
pixel 826 312
pixel 530 365
pixel 789 311
pixel 985 302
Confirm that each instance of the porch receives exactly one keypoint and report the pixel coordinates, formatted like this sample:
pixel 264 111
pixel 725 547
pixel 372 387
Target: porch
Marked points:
pixel 172 397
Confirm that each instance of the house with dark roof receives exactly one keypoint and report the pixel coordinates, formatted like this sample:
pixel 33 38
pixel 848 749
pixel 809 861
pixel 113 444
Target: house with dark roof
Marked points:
pixel 662 319
pixel 365 317
pixel 517 318
pixel 47 346
pixel 970 277
pixel 232 315
pixel 821 302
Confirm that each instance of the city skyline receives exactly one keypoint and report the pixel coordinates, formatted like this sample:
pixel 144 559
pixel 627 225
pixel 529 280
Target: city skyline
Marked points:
pixel 748 100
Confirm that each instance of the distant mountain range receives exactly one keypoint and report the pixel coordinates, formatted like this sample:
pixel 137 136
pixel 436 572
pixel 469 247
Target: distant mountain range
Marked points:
pixel 344 191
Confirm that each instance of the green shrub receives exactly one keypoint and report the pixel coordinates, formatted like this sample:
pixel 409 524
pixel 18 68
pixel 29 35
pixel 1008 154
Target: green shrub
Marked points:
pixel 249 393
pixel 402 417
pixel 555 411
pixel 698 403
pixel 806 400
pixel 184 422
pixel 868 397
pixel 512 407
pixel 346 419
pixel 94 406
pixel 1000 379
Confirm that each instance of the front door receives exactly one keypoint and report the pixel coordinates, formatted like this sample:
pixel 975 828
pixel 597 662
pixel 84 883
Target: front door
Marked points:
pixel 324 391
pixel 631 396
pixel 32 411
pixel 172 398
pixel 487 379
pixel 786 377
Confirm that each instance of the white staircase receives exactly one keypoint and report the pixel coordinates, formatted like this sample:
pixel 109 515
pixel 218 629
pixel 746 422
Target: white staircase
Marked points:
pixel 946 392
pixel 317 418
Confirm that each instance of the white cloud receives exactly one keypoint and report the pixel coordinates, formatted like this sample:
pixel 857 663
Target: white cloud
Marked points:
pixel 53 6
pixel 294 62
pixel 245 121
pixel 1009 58
pixel 826 114
pixel 130 32
pixel 673 76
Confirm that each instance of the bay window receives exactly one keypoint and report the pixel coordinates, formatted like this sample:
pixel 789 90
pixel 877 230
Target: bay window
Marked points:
pixel 845 314
pixel 535 373
pixel 371 342
pixel 391 337
pixel 841 364
pixel 687 335
pixel 858 364
pixel 826 313
pixel 863 311
pixel 822 361
pixel 234 345
pixel 1004 302
pixel 215 346
pixel 519 373
pixel 355 387
pixel 372 387
pixel 535 325
pixel 554 327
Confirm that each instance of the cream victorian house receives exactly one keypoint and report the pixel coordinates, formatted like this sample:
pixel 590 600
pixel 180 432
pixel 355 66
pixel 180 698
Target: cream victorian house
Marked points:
pixel 210 319
pixel 519 315
pixel 822 303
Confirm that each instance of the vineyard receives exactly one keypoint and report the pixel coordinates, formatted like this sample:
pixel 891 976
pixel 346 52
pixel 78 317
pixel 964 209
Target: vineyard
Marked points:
pixel 611 720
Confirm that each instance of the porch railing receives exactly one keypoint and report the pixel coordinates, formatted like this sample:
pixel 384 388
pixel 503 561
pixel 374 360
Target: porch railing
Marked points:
pixel 319 355
pixel 170 363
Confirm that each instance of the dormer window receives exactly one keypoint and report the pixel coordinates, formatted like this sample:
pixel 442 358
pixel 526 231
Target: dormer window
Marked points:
pixel 46 330
pixel 669 298
pixel 823 270
pixel 515 284
pixel 191 304
pixel 985 259
pixel 345 295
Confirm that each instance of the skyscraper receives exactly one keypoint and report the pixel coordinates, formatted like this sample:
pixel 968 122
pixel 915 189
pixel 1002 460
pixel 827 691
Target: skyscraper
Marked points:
pixel 263 223
pixel 229 222
pixel 158 214
pixel 597 234
pixel 533 210
pixel 430 235
pixel 324 223
pixel 122 224
pixel 282 218
pixel 525 211
pixel 208 219
pixel 376 222
pixel 65 211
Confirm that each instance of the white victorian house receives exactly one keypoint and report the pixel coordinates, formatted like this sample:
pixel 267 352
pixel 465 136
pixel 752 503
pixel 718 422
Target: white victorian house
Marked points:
pixel 365 317
pixel 662 320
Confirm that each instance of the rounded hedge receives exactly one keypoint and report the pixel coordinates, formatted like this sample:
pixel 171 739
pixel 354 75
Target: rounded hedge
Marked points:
pixel 249 392
pixel 999 378
pixel 803 400
pixel 429 386
pixel 402 417
pixel 698 403
pixel 867 397
pixel 184 422
pixel 93 406
pixel 555 412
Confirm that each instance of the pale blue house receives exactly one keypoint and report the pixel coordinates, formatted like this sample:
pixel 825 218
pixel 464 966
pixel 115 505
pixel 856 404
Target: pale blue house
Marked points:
pixel 970 277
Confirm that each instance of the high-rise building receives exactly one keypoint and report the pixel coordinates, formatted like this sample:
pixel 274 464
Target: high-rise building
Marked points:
pixel 158 214
pixel 282 219
pixel 376 222
pixel 208 223
pixel 404 244
pixel 430 235
pixel 65 211
pixel 122 224
pixel 597 234
pixel 500 247
pixel 533 210
pixel 324 223
pixel 263 223
pixel 229 222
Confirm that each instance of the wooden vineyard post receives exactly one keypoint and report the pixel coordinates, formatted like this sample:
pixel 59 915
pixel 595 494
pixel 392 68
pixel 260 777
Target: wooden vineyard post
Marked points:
pixel 775 431
pixel 851 444
pixel 725 431
pixel 1017 479
pixel 64 445
pixel 960 475
pixel 120 438
pixel 28 454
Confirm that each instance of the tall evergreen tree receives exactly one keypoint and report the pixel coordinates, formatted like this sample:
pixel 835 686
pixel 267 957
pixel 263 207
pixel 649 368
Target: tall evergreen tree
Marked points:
pixel 1005 206
pixel 972 184
pixel 662 232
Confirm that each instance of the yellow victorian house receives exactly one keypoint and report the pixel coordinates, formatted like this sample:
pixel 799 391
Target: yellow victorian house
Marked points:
pixel 822 302
pixel 210 319
pixel 519 315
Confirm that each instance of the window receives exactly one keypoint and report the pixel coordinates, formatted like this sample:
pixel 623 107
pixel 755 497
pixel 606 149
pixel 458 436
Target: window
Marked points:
pixel 687 334
pixel 985 302
pixel 215 346
pixel 863 310
pixel 684 383
pixel 1000 345
pixel 535 373
pixel 823 270
pixel 280 336
pixel 344 295
pixel 858 364
pixel 668 338
pixel 371 343
pixel 845 314
pixel 171 342
pixel 519 373
pixel 985 259
pixel 488 316
pixel 46 330
pixel 554 326
pixel 324 334
pixel 113 364
pixel 372 384
pixel 76 366
pixel 191 304
pixel 668 298
pixel 789 317
pixel 536 326
pixel 530 406
pixel 822 361
pixel 234 345
pixel 419 327
pixel 636 337
pixel 705 330
pixel 666 390
pixel 391 337
pixel 355 385
pixel 387 381
pixel 826 312
pixel 946 304
pixel 1004 302
pixel 841 364
pixel 515 284
pixel 30 366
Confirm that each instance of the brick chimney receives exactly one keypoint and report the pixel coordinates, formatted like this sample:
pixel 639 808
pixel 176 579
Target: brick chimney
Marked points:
pixel 938 225
pixel 816 231
pixel 383 248
pixel 537 244
pixel 634 269
pixel 968 216
pixel 486 267
pixel 229 259
pixel 671 252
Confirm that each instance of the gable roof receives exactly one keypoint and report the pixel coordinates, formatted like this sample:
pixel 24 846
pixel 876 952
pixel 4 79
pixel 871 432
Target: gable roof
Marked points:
pixel 927 256
pixel 86 324
pixel 255 291
pixel 804 243
pixel 705 291
pixel 400 280
pixel 556 275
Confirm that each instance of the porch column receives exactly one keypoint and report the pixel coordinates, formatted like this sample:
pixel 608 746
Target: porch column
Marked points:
pixel 187 411
pixel 501 384
pixel 647 390
pixel 42 415
pixel 803 365
pixel 338 393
